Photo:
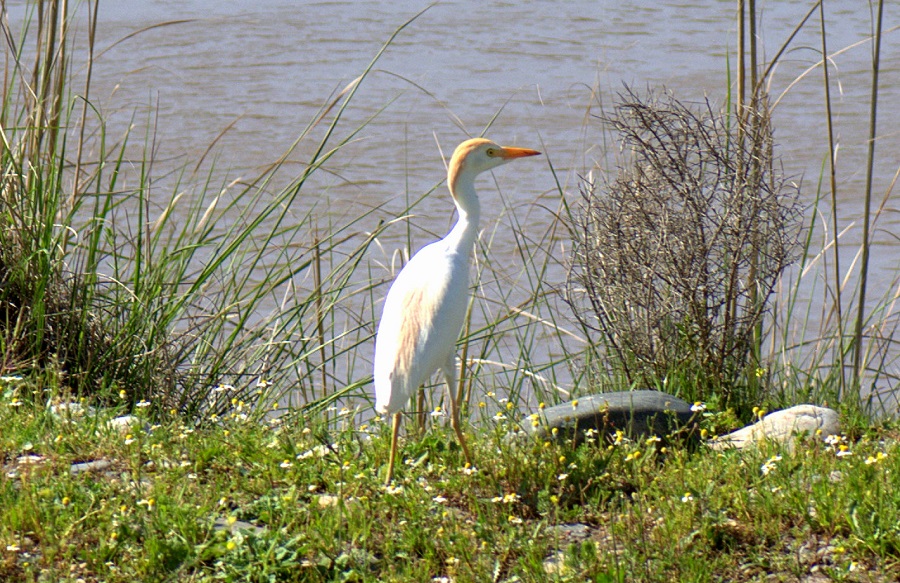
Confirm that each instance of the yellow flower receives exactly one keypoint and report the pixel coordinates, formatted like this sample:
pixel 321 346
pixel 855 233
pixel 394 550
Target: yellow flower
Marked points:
pixel 875 459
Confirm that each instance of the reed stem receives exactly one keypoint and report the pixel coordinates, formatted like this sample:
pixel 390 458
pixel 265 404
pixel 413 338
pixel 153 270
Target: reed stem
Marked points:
pixel 832 175
pixel 867 205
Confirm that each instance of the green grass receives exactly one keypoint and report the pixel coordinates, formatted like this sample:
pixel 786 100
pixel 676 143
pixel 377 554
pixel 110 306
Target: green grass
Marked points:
pixel 315 491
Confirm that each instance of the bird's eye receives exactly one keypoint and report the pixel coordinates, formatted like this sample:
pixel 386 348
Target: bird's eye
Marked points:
pixel 491 152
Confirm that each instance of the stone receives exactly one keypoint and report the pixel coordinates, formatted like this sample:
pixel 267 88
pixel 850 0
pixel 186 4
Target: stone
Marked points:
pixel 555 564
pixel 572 532
pixel 70 410
pixel 637 413
pixel 92 466
pixel 222 523
pixel 126 423
pixel 781 427
pixel 327 500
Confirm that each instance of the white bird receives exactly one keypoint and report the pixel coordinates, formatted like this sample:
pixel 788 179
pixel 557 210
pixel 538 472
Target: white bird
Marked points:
pixel 426 306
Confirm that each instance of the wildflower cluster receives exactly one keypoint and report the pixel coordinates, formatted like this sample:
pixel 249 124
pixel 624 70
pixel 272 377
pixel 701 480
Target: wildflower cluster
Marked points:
pixel 838 444
pixel 10 384
pixel 875 459
pixel 770 465
pixel 619 439
pixel 510 498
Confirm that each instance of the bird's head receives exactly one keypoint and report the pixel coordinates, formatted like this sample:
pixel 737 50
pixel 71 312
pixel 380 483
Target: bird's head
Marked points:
pixel 478 155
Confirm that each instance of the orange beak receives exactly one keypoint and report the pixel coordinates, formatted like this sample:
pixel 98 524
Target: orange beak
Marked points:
pixel 510 153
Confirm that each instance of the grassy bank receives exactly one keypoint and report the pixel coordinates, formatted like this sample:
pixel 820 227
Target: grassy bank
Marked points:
pixel 236 499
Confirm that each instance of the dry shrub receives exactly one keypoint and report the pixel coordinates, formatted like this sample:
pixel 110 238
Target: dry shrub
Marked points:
pixel 676 256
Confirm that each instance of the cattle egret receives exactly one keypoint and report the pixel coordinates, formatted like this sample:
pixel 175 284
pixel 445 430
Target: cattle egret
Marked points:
pixel 425 308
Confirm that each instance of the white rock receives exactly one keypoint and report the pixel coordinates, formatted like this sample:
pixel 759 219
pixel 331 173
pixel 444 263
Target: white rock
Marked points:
pixel 70 410
pixel 781 426
pixel 91 466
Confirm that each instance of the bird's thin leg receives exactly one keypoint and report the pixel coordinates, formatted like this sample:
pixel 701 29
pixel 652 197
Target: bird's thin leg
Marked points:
pixel 395 430
pixel 450 375
pixel 420 407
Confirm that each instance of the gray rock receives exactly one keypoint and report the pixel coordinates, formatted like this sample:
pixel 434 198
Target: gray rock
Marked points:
pixel 782 426
pixel 572 532
pixel 555 564
pixel 634 412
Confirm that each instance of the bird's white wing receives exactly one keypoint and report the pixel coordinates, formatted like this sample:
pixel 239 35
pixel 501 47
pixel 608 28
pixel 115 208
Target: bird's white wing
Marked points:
pixel 423 314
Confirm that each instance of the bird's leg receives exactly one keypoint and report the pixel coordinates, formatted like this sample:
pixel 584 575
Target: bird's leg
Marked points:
pixel 420 407
pixel 395 430
pixel 450 375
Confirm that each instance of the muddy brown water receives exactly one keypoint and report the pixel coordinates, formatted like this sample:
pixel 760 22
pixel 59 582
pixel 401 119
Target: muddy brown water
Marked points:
pixel 546 66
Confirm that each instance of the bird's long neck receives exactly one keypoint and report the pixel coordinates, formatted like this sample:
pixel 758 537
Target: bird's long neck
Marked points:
pixel 462 236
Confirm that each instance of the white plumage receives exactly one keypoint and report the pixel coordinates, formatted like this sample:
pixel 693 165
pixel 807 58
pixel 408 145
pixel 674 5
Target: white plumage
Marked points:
pixel 426 306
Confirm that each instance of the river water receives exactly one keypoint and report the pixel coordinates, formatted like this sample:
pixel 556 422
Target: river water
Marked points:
pixel 542 68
